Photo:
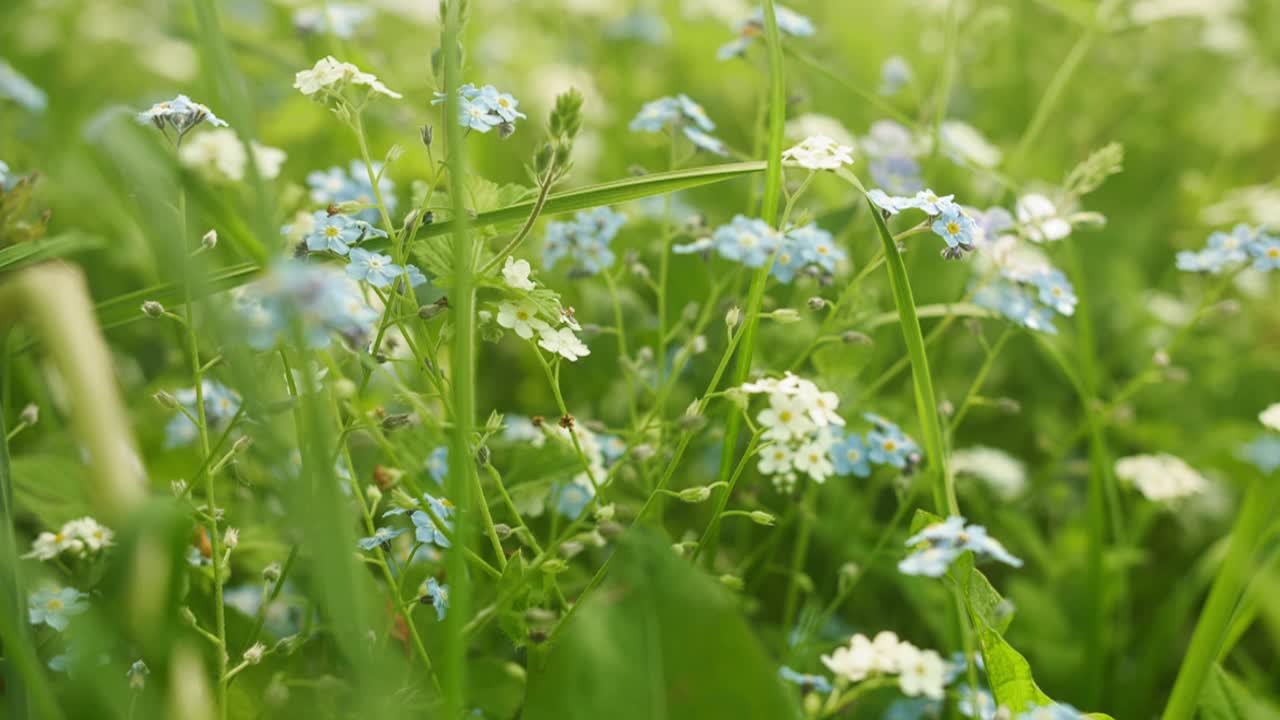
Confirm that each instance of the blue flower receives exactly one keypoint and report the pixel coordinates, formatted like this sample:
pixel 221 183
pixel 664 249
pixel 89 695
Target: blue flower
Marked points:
pixel 572 498
pixel 929 562
pixel 1055 291
pixel 850 456
pixel 341 19
pixel 381 536
pixel 789 23
pixel 981 705
pixel 55 607
pixel 15 87
pixel 746 240
pixel 376 269
pixel 416 277
pixel 944 541
pixel 891 204
pixel 1263 453
pixel 706 142
pixel 335 233
pixel 1013 302
pixel 336 185
pixel 694 112
pixel 1266 253
pixel 180 113
pixel 438 594
pixel 482 109
pixel 220 405
pixel 681 110
pixel 477 114
pixel 815 246
pixel 320 297
pixel 890 446
pixel 955 227
pixel 807 683
pixel 425 529
pixel 787 261
pixel 4 171
pixel 438 464
pixel 586 239
pixel 895 73
pixel 932 203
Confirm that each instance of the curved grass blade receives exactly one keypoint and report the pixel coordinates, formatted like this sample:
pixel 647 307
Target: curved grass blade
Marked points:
pixel 609 193
pixel 28 253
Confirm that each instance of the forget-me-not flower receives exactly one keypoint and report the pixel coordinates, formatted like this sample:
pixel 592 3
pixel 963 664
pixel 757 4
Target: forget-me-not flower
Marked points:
pixel 438 464
pixel 438 594
pixel 850 456
pixel 55 607
pixel 374 268
pixel 380 536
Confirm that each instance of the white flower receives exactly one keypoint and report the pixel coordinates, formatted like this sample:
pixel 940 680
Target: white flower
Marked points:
pixel 1039 216
pixel 774 459
pixel 516 274
pixel 921 672
pixel 812 458
pixel 966 145
pixel 1271 417
pixel 220 151
pixel 853 662
pixel 94 535
pixel 562 342
pixel 819 152
pixel 48 546
pixel 253 655
pixel 523 318
pixel 786 417
pixel 1162 477
pixel 328 72
pixel 821 405
pixel 1003 473
pixel 887 647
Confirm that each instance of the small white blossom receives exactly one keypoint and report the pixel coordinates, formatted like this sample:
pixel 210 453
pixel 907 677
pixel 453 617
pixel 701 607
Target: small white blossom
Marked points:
pixel 1161 478
pixel 516 274
pixel 1003 473
pixel 1041 219
pixel 521 317
pixel 1271 417
pixel 921 672
pixel 328 74
pixel 562 342
pixel 253 655
pixel 819 152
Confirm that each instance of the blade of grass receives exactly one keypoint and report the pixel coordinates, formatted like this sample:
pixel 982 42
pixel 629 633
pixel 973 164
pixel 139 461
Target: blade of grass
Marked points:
pixel 29 253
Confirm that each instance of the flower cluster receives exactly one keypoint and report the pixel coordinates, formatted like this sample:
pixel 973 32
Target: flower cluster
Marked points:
pixel 1270 418
pixel 1018 281
pixel 952 223
pixel 340 19
pixel 789 23
pixel 679 112
pixel 181 114
pixel 895 74
pixel 337 233
pixel 1230 251
pixel 78 538
pixel 15 87
pixel 323 300
pixel 1162 477
pixel 937 545
pixel 796 425
pixel 425 530
pixel 571 498
pixel 483 109
pixel 220 405
pixel 819 152
pixel 752 241
pixel 920 672
pixel 585 240
pixel 336 186
pixel 329 77
pixel 220 154
pixel 885 444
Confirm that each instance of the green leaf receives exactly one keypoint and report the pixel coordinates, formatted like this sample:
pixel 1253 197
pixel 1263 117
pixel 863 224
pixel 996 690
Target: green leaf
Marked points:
pixel 609 193
pixel 1226 698
pixel 657 640
pixel 124 309
pixel 28 253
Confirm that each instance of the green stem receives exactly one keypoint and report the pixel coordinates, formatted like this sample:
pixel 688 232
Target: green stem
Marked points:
pixel 722 501
pixel 462 384
pixel 798 554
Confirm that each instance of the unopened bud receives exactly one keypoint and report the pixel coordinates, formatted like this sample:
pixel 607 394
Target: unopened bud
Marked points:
pixel 427 134
pixel 554 566
pixel 374 494
pixel 30 414
pixel 395 422
pixel 241 444
pixel 426 312
pixel 785 316
pixel 853 337
pixel 210 240
pixel 761 517
pixel 271 573
pixel 231 538
pixel 482 455
pixel 733 582
pixel 816 303
pixel 165 400
pixel 151 308
pixel 179 487
pixel 253 655
pixel 695 494
pixel 733 317
pixel 503 530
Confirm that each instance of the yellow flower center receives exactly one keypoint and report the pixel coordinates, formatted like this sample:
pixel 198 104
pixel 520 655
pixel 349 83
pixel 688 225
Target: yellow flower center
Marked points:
pixel 785 416
pixel 54 604
pixel 890 445
pixel 331 231
pixel 1273 253
pixel 953 228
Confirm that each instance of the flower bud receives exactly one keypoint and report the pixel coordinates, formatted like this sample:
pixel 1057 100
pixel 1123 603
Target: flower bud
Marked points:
pixel 733 317
pixel 761 517
pixel 253 655
pixel 695 494
pixel 210 240
pixel 151 308
pixel 30 414
pixel 271 573
pixel 241 444
pixel 374 494
pixel 853 337
pixel 165 400
pixel 733 582
pixel 785 316
pixel 817 303
pixel 426 133
pixel 231 538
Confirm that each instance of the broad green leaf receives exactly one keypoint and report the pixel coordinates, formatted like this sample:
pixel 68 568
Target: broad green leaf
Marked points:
pixel 657 639
pixel 1226 698
pixel 609 193
pixel 27 253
